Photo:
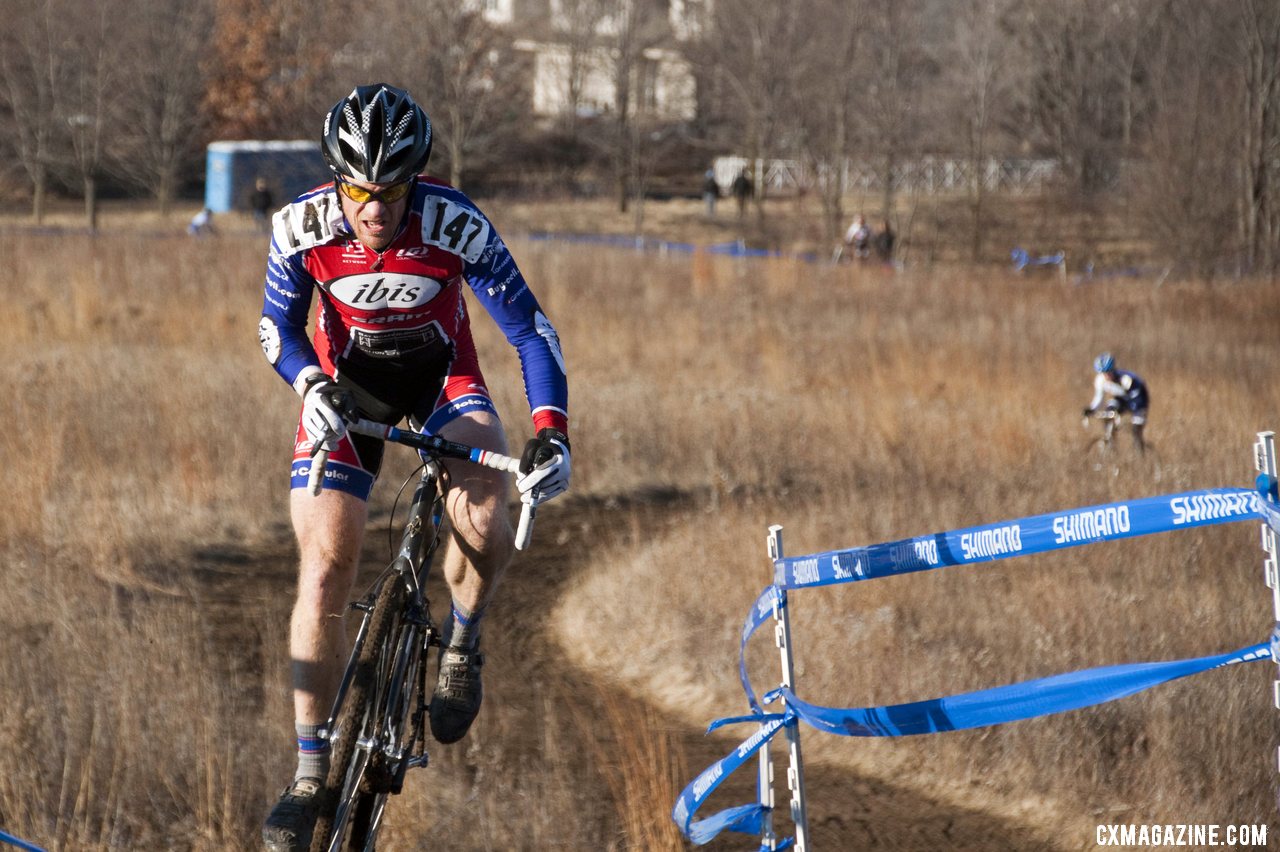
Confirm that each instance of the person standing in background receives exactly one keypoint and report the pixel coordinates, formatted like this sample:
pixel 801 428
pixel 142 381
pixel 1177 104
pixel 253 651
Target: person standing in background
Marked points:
pixel 263 204
pixel 710 192
pixel 743 190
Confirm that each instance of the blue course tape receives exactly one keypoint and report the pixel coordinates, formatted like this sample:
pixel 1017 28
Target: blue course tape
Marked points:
pixel 1021 537
pixel 1012 703
pixel 1004 540
pixel 761 611
pixel 734 248
pixel 21 844
pixel 745 818
pixel 1015 702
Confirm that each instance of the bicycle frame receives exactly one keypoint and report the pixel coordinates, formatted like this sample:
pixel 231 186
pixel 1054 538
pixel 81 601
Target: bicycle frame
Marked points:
pixel 406 566
pixel 1105 449
pixel 1111 421
pixel 386 730
pixel 405 677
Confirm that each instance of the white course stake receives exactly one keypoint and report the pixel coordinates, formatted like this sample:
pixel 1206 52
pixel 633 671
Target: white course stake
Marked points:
pixel 1264 452
pixel 795 770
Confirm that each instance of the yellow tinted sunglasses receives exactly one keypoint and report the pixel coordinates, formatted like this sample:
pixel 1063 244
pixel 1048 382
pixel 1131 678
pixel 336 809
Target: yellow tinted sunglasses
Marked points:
pixel 360 195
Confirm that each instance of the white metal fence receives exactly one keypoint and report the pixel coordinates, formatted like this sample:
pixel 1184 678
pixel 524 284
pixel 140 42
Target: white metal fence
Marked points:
pixel 922 174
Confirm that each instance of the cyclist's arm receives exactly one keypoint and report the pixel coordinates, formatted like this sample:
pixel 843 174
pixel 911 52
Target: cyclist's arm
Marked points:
pixel 451 221
pixel 314 218
pixel 1115 390
pixel 282 331
pixel 1099 391
pixel 499 286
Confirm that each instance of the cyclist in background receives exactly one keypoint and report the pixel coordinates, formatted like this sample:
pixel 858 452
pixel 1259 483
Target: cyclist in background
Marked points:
pixel 1117 391
pixel 858 237
pixel 388 253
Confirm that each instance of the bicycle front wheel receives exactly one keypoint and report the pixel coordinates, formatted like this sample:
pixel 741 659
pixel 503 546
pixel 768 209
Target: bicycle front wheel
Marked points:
pixel 356 720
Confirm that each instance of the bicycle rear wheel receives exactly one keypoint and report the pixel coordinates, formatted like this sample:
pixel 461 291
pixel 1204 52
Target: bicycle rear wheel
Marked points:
pixel 355 721
pixel 1154 464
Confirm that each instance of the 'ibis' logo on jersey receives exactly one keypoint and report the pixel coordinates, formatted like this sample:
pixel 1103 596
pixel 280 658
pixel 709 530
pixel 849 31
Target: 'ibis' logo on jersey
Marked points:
pixel 373 291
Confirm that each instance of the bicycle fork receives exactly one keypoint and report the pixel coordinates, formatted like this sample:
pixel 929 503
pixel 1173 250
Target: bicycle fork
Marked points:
pixel 403 746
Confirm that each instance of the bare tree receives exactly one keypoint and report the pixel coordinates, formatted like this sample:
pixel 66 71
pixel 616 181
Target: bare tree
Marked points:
pixel 89 101
pixel 836 85
pixel 465 73
pixel 1185 191
pixel 1073 97
pixel 632 28
pixel 165 55
pixel 1259 56
pixel 30 71
pixel 1130 25
pixel 574 28
pixel 759 49
pixel 980 71
pixel 473 75
pixel 902 67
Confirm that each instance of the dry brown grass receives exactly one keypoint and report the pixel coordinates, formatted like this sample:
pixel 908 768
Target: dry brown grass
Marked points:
pixel 145 702
pixel 856 408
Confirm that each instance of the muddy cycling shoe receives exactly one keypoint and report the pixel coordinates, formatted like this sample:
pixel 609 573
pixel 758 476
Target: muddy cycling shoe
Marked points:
pixel 457 696
pixel 288 828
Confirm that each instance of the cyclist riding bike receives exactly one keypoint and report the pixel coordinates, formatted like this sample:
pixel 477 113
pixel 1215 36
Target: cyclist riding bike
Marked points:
pixel 388 252
pixel 1116 391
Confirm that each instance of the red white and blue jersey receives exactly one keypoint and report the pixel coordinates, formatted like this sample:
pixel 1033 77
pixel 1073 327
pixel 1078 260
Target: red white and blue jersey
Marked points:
pixel 396 320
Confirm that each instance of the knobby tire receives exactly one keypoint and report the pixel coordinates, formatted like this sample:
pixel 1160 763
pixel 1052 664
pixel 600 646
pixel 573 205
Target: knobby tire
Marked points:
pixel 359 701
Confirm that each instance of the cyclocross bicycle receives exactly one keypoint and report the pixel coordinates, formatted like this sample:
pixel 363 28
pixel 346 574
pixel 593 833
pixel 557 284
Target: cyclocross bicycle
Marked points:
pixel 377 729
pixel 1110 419
pixel 1102 450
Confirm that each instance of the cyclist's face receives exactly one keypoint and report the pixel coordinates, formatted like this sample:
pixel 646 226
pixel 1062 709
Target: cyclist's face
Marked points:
pixel 377 220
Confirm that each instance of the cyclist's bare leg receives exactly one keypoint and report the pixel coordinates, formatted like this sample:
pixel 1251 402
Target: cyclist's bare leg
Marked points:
pixel 1137 436
pixel 480 547
pixel 482 540
pixel 329 529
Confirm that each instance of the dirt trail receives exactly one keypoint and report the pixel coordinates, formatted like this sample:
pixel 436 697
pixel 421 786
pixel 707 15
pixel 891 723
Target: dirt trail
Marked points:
pixel 247 593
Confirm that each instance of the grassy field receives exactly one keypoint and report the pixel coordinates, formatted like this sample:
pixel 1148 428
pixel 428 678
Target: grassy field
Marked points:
pixel 147 561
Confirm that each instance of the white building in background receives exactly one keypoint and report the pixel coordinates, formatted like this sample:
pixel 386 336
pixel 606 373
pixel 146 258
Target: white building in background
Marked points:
pixel 497 11
pixel 662 83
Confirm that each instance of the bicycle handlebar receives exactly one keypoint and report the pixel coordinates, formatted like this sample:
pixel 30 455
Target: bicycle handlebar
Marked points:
pixel 436 446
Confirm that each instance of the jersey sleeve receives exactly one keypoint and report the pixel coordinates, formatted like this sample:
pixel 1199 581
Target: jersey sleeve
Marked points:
pixel 1099 391
pixel 286 302
pixel 1115 390
pixel 313 219
pixel 452 222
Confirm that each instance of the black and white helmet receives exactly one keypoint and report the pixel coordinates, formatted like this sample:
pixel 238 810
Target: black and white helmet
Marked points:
pixel 377 134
